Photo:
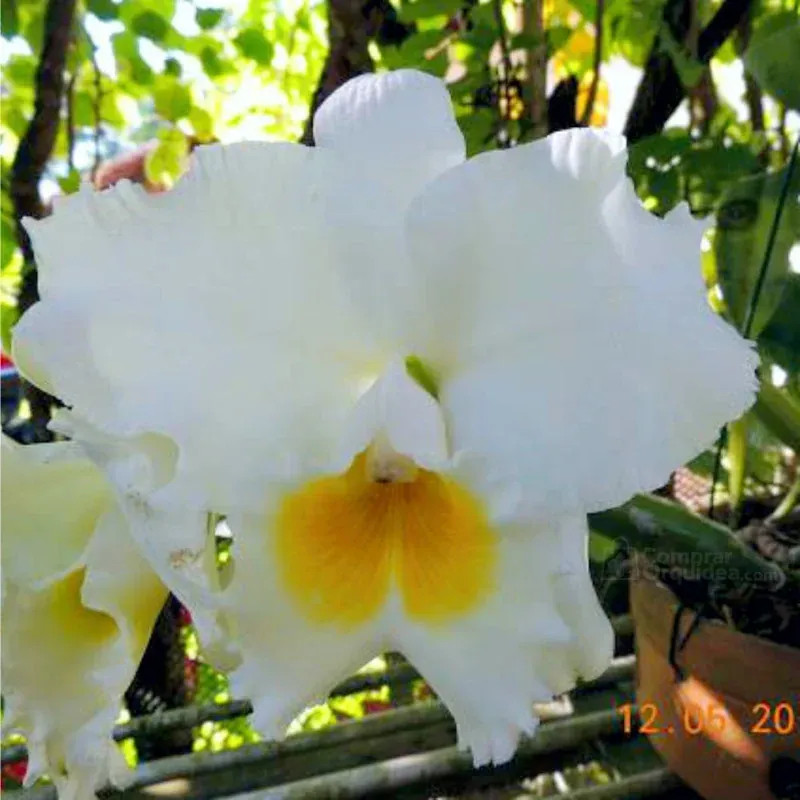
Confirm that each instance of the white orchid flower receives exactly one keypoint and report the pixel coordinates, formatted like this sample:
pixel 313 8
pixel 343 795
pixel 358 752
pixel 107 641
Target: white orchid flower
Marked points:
pixel 404 378
pixel 79 602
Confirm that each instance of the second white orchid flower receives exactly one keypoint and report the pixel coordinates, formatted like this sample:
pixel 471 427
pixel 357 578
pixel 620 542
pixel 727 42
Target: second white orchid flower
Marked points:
pixel 79 602
pixel 405 379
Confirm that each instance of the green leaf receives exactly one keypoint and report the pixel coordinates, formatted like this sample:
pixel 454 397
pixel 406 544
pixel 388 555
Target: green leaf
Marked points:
pixel 141 72
pixel 150 25
pixel 252 44
pixel 670 534
pixel 601 547
pixel 208 18
pixel 124 45
pixel 71 183
pixel 212 64
pixel 557 37
pixel 173 67
pixel 166 162
pixel 10 281
pixel 83 109
pixel 780 340
pixel 481 37
pixel 773 59
pixel 103 9
pixel 173 101
pixel 9 20
pixel 20 69
pixel 631 28
pixel 14 119
pixel 479 128
pixel 33 31
pixel 429 8
pixel 689 69
pixel 705 465
pixel 780 413
pixel 8 242
pixel 202 123
pixel 412 51
pixel 8 319
pixel 745 218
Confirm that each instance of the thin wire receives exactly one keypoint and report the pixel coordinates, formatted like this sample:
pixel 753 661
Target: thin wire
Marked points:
pixel 721 442
pixel 674 638
pixel 751 309
pixel 773 234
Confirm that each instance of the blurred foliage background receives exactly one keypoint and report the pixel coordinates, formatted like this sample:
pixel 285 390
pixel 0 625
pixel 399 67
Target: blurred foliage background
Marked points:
pixel 707 92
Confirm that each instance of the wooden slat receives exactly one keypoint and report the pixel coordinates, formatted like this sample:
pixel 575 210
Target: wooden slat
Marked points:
pixel 176 719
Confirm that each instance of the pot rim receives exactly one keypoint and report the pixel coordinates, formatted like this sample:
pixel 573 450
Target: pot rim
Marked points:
pixel 665 596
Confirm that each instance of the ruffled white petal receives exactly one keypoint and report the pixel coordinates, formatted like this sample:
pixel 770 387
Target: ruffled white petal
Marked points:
pixel 569 328
pixel 166 516
pixel 85 618
pixel 52 498
pixel 287 661
pixel 541 631
pixel 204 311
pixel 396 128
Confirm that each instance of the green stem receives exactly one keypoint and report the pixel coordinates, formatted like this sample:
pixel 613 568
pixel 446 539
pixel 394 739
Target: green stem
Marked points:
pixel 737 463
pixel 780 413
pixel 788 503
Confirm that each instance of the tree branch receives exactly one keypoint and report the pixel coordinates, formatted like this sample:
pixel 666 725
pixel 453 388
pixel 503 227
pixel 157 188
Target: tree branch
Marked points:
pixel 533 26
pixel 661 89
pixel 503 94
pixel 33 153
pixel 597 61
pixel 752 89
pixel 36 144
pixel 97 105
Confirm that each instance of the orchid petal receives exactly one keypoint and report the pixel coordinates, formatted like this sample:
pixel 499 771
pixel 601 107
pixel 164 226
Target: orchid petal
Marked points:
pixel 542 631
pixel 576 351
pixel 396 128
pixel 85 612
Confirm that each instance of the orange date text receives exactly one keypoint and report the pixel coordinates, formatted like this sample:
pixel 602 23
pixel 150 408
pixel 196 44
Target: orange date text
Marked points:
pixel 782 719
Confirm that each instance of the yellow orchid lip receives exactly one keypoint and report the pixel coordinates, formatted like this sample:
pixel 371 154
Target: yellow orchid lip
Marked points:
pixel 68 613
pixel 343 541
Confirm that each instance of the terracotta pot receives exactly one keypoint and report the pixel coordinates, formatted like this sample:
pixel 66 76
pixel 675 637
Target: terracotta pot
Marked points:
pixel 729 723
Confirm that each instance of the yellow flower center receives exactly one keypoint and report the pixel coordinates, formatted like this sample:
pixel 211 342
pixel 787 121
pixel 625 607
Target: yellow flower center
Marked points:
pixel 343 541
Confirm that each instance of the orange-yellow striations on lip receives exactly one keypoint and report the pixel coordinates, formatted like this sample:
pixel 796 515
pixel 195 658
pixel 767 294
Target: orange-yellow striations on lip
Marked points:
pixel 342 541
